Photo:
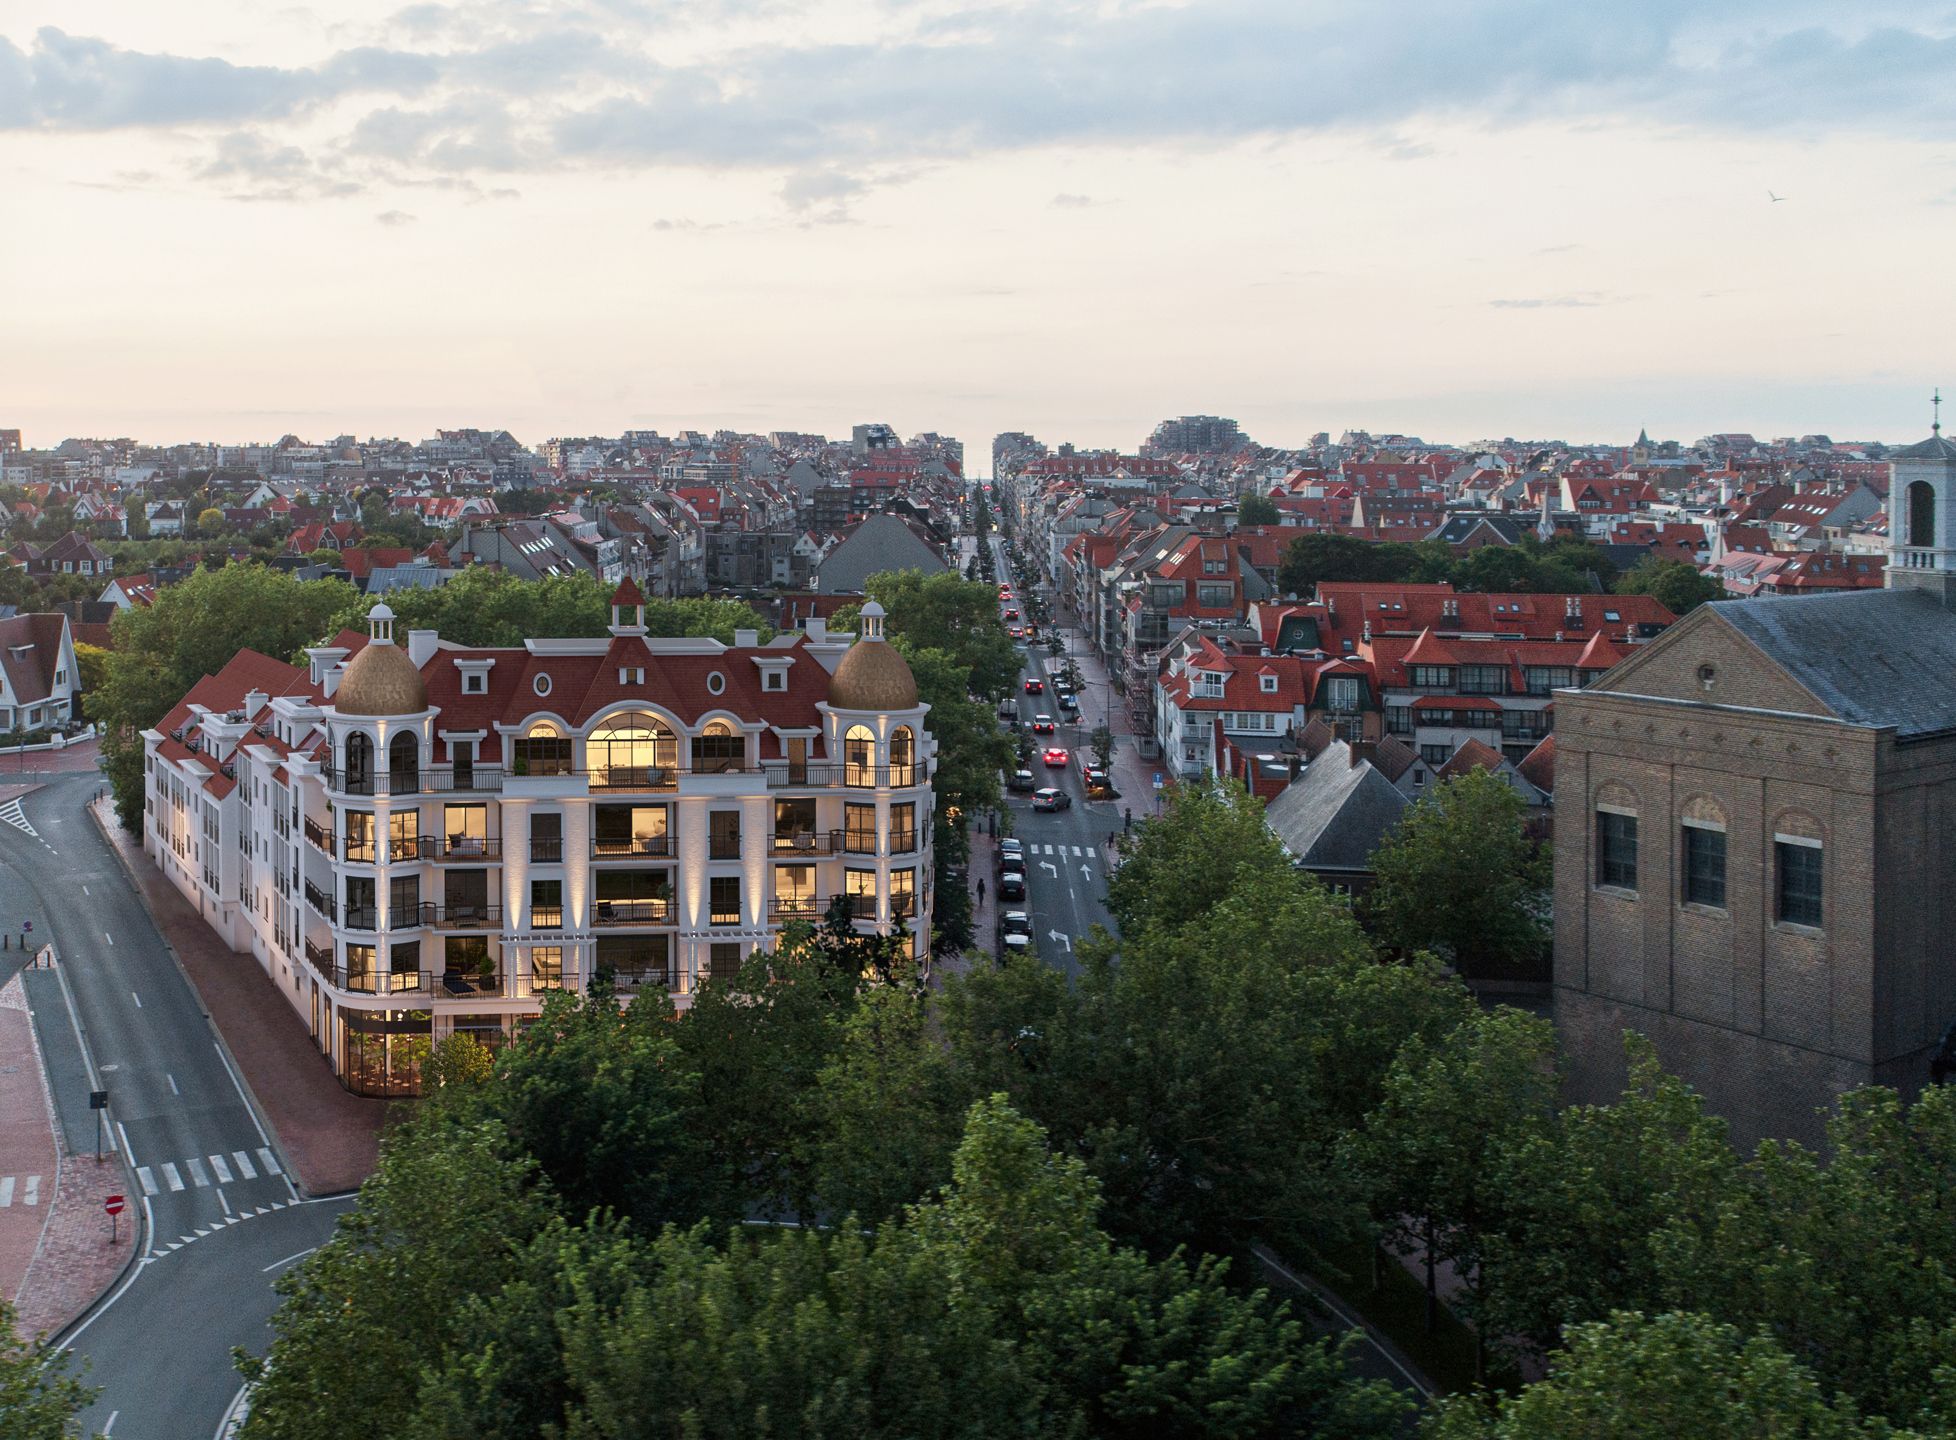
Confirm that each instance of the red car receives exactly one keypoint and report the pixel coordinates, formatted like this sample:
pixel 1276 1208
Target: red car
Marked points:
pixel 1056 756
pixel 1035 687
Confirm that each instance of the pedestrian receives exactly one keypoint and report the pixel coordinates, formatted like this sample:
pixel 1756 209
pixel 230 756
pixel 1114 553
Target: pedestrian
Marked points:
pixel 1127 822
pixel 981 889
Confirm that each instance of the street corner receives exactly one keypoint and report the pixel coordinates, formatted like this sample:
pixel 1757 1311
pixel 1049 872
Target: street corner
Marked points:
pixel 87 1243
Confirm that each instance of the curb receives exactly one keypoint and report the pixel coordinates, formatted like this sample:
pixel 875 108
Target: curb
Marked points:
pixel 1416 1378
pixel 258 1114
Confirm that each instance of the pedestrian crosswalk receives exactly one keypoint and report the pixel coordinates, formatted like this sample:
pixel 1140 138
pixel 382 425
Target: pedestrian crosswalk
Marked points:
pixel 19 1190
pixel 12 814
pixel 1060 852
pixel 196 1171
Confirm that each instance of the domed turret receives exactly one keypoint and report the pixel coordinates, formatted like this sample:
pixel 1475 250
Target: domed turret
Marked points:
pixel 381 680
pixel 872 675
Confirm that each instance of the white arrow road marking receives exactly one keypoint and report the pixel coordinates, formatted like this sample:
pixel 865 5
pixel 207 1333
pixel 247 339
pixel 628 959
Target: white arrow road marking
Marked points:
pixel 1063 938
pixel 1050 868
pixel 1087 870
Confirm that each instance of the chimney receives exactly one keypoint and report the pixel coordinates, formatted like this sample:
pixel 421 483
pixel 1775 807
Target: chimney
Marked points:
pixel 816 628
pixel 746 639
pixel 333 677
pixel 421 646
pixel 253 700
pixel 1363 752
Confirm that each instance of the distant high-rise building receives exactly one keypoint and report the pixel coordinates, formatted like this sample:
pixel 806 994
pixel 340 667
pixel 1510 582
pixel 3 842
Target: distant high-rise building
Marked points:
pixel 9 443
pixel 865 438
pixel 1195 435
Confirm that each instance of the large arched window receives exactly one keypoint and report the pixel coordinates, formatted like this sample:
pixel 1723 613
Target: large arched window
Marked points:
pixel 544 749
pixel 903 756
pixel 1921 513
pixel 359 764
pixel 718 748
pixel 404 764
pixel 632 752
pixel 859 757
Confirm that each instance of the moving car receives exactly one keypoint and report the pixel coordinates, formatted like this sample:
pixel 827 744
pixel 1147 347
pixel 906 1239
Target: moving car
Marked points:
pixel 1055 755
pixel 1051 799
pixel 1042 724
pixel 1035 686
pixel 1021 780
pixel 1007 710
pixel 1012 613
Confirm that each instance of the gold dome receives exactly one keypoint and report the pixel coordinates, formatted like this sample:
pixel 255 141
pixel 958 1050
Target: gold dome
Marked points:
pixel 381 680
pixel 872 675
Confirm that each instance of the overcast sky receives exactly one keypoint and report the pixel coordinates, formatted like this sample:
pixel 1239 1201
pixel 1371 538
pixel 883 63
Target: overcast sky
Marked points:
pixel 227 221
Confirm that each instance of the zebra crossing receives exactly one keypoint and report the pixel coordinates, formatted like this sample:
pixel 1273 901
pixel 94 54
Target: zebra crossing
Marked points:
pixel 199 1172
pixel 1060 852
pixel 19 1190
pixel 13 815
pixel 165 1248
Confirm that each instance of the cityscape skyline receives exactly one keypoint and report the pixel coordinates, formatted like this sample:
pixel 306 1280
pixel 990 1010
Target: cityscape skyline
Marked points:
pixel 1067 219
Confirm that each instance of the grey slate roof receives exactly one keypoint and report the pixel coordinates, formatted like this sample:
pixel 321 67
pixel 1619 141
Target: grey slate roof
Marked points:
pixel 882 542
pixel 1333 816
pixel 1872 657
pixel 1934 448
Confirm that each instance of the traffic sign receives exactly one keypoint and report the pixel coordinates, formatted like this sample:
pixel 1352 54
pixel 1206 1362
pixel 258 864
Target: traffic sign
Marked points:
pixel 98 1099
pixel 1157 779
pixel 115 1204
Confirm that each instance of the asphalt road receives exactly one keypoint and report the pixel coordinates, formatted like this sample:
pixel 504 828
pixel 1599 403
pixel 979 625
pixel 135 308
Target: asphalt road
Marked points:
pixel 207 1174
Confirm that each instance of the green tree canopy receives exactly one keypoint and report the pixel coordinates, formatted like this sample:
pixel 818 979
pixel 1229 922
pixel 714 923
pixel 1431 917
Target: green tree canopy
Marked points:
pixel 1311 559
pixel 1675 585
pixel 1257 510
pixel 39 1398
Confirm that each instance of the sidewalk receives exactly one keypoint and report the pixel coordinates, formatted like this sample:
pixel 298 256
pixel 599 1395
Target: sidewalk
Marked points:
pixel 330 1138
pixel 55 1251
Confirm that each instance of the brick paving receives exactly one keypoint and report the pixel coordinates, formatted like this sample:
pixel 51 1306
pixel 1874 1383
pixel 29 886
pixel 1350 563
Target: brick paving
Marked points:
pixel 330 1138
pixel 56 1254
pixel 84 755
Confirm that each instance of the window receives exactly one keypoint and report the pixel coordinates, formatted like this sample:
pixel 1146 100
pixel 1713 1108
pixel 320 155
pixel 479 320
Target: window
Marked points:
pixel 860 887
pixel 404 966
pixel 404 835
pixel 903 756
pixel 1268 684
pixel 360 969
pixel 547 904
pixel 1921 513
pixel 545 750
pixel 859 829
pixel 719 748
pixel 723 896
pixel 859 757
pixel 630 830
pixel 774 680
pixel 794 891
pixel 1432 677
pixel 1484 679
pixel 547 967
pixel 903 827
pixel 631 751
pixel 1704 865
pixel 1436 754
pixel 1616 849
pixel 1215 597
pixel 475 682
pixel 1399 720
pixel 547 838
pixel 1342 692
pixel 1800 867
pixel 403 901
pixel 360 836
pixel 465 829
pixel 723 835
pixel 359 903
pixel 903 894
pixel 722 960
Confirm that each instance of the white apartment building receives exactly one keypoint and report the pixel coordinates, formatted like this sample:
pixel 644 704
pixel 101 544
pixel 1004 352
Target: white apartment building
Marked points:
pixel 420 840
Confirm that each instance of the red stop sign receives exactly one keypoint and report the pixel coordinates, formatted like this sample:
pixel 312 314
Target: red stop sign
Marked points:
pixel 114 1204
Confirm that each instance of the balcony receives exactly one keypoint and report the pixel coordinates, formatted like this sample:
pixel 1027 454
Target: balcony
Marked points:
pixel 472 984
pixel 462 849
pixel 633 982
pixel 788 909
pixel 807 842
pixel 462 917
pixel 547 852
pixel 631 912
pixel 318 836
pixel 431 780
pixel 860 907
pixel 786 775
pixel 362 917
pixel 321 902
pixel 631 847
pixel 614 778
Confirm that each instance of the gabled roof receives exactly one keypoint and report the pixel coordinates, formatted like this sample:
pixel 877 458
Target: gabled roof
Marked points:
pixel 1538 766
pixel 1334 815
pixel 1428 651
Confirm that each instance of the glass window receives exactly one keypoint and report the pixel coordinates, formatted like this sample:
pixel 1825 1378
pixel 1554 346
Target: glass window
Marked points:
pixel 723 895
pixel 404 965
pixel 719 747
pixel 403 901
pixel 404 835
pixel 903 827
pixel 360 969
pixel 631 830
pixel 794 891
pixel 632 962
pixel 631 751
pixel 466 829
pixel 860 887
pixel 547 967
pixel 547 904
pixel 859 757
pixel 1616 849
pixel 633 897
pixel 794 824
pixel 859 829
pixel 547 837
pixel 1800 869
pixel 1704 866
pixel 359 903
pixel 903 894
pixel 722 960
pixel 723 835
pixel 903 756
pixel 360 836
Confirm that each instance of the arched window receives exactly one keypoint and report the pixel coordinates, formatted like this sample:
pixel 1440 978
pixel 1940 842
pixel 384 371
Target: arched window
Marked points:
pixel 859 757
pixel 1921 513
pixel 1702 863
pixel 719 748
pixel 543 749
pixel 359 763
pixel 632 752
pixel 404 763
pixel 903 756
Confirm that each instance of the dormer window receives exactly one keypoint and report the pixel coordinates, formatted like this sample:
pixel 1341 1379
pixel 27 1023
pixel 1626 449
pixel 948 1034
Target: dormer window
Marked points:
pixel 1269 684
pixel 631 674
pixel 474 682
pixel 774 680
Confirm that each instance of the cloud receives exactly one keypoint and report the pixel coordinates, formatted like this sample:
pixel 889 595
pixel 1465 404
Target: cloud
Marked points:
pixel 1553 302
pixel 1072 202
pixel 394 219
pixel 807 189
pixel 259 169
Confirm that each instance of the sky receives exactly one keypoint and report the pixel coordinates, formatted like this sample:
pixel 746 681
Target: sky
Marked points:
pixel 1456 218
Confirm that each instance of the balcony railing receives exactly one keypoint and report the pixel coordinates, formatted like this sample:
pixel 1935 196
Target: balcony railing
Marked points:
pixel 461 849
pixel 631 982
pixel 631 847
pixel 633 777
pixel 320 901
pixel 318 836
pixel 547 852
pixel 807 842
pixel 789 909
pixel 363 917
pixel 631 912
pixel 787 775
pixel 861 907
pixel 463 917
pixel 427 780
pixel 469 984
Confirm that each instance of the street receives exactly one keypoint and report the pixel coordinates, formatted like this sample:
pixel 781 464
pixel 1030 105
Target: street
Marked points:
pixel 210 1186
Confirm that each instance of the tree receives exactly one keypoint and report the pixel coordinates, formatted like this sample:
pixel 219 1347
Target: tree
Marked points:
pixel 1310 560
pixel 91 666
pixel 944 612
pixel 1459 876
pixel 39 1399
pixel 1632 1378
pixel 194 629
pixel 211 521
pixel 1256 510
pixel 326 555
pixel 1675 585
pixel 1178 867
pixel 1102 744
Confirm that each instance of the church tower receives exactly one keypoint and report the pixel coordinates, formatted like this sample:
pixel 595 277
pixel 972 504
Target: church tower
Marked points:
pixel 1922 516
pixel 1640 452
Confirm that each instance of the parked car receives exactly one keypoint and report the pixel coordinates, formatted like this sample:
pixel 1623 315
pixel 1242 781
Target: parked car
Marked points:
pixel 1021 780
pixel 1051 799
pixel 1008 710
pixel 1011 848
pixel 1055 756
pixel 1014 932
pixel 1035 686
pixel 1069 703
pixel 1042 724
pixel 1012 886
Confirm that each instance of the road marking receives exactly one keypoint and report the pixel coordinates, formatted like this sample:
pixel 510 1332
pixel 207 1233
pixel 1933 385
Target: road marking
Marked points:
pixel 30 1193
pixel 170 1176
pixel 221 1170
pixel 13 815
pixel 288 1260
pixel 110 938
pixel 85 891
pixel 244 1165
pixel 265 1159
pixel 137 998
pixel 110 1427
pixel 198 1173
pixel 173 1083
pixel 147 1180
pixel 222 1200
pixel 6 1191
